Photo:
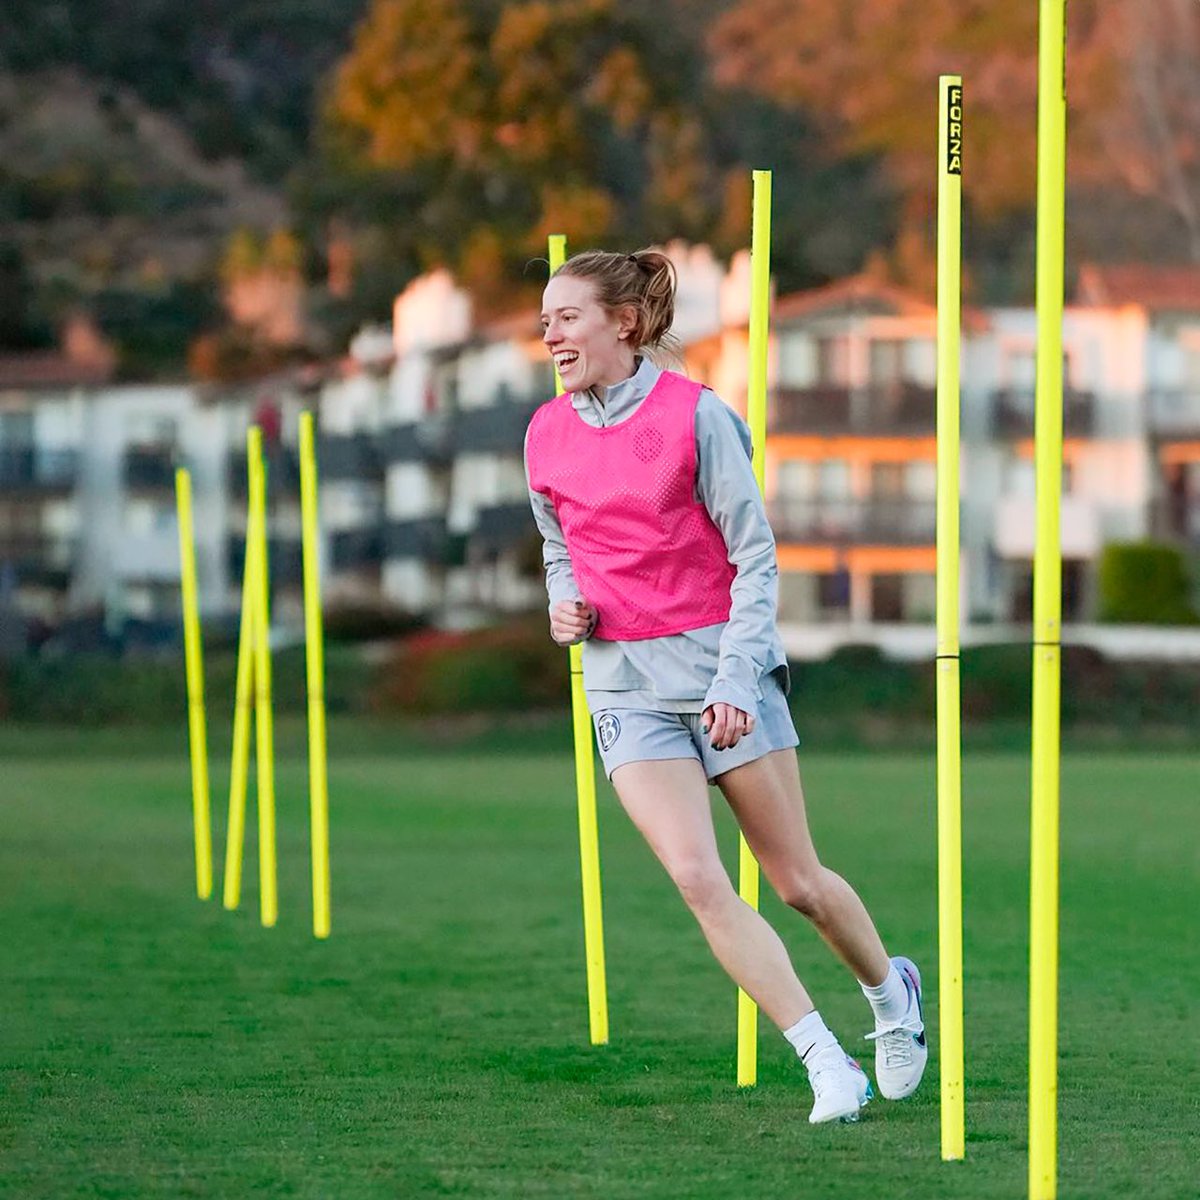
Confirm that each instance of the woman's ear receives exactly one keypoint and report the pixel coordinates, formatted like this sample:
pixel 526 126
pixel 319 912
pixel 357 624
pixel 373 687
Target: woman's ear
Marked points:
pixel 627 320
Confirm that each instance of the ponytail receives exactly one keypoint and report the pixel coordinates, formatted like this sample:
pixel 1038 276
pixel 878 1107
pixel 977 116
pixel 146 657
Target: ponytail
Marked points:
pixel 646 281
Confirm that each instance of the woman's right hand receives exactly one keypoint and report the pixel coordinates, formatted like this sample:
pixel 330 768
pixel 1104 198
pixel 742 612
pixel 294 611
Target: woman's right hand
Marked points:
pixel 572 621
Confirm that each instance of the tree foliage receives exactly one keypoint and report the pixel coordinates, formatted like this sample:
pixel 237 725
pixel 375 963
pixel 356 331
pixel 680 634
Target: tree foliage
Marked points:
pixel 478 130
pixel 868 72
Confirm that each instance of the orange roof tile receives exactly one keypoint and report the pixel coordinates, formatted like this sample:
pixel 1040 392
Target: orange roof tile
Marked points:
pixel 1140 285
pixel 861 291
pixel 48 369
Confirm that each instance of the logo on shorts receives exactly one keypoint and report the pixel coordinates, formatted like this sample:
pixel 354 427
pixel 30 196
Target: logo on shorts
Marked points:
pixel 608 729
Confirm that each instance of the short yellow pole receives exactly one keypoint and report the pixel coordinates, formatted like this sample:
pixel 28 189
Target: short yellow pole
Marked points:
pixel 949 732
pixel 194 662
pixel 314 641
pixel 1047 606
pixel 235 832
pixel 268 899
pixel 585 792
pixel 756 418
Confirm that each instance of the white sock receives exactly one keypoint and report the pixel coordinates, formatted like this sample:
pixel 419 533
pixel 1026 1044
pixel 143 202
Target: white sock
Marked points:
pixel 810 1036
pixel 889 1001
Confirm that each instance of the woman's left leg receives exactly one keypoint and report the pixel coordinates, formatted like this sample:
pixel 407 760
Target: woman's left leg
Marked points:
pixel 767 798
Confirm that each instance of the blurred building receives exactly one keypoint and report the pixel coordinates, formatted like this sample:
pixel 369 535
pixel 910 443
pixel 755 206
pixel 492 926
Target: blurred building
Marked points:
pixel 421 428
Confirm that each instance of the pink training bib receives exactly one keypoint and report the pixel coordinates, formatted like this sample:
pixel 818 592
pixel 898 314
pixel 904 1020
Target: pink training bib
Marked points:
pixel 644 552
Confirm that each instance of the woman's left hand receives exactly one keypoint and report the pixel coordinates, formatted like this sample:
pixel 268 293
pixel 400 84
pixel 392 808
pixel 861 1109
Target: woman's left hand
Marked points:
pixel 726 725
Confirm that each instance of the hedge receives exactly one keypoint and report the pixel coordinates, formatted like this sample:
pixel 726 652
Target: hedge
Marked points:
pixel 855 695
pixel 1145 583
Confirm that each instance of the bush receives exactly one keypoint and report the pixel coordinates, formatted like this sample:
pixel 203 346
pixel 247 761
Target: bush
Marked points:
pixel 513 667
pixel 1145 583
pixel 364 623
pixel 100 689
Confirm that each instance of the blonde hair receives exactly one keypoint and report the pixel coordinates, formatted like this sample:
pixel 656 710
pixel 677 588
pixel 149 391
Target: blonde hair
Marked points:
pixel 645 281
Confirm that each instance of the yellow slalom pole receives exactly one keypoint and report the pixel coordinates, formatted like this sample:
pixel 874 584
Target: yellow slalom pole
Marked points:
pixel 756 418
pixel 314 641
pixel 194 660
pixel 1047 606
pixel 585 791
pixel 949 732
pixel 268 898
pixel 235 832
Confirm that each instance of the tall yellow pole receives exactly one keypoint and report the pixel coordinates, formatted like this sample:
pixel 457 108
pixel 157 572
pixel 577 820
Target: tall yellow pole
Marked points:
pixel 268 899
pixel 194 663
pixel 756 418
pixel 949 733
pixel 314 641
pixel 239 770
pixel 585 791
pixel 1047 605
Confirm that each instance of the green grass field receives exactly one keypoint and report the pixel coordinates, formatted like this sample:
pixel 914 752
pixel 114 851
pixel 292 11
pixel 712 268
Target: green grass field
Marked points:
pixel 436 1045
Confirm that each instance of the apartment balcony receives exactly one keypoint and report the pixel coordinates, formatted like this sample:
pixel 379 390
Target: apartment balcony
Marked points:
pixel 151 557
pixel 354 457
pixel 424 538
pixel 285 560
pixel 431 441
pixel 899 409
pixel 503 525
pixel 37 560
pixel 29 470
pixel 499 428
pixel 354 549
pixel 1014 532
pixel 149 467
pixel 1176 520
pixel 1013 414
pixel 1174 415
pixel 283 472
pixel 896 522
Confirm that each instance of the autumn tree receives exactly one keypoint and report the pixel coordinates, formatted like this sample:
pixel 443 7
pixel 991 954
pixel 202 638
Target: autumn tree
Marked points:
pixel 483 129
pixel 464 131
pixel 1151 141
pixel 868 72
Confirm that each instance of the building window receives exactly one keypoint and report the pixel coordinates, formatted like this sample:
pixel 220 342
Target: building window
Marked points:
pixel 833 361
pixel 920 361
pixel 833 479
pixel 920 597
pixel 143 518
pixel 796 479
pixel 886 361
pixel 833 593
pixel 798 364
pixel 1191 366
pixel 16 428
pixel 887 481
pixel 920 481
pixel 151 429
pixel 887 598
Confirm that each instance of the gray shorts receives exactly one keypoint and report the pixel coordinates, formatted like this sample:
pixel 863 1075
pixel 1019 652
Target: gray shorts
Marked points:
pixel 627 735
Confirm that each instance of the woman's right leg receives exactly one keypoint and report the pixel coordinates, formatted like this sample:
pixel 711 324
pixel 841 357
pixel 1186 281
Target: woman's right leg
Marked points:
pixel 668 801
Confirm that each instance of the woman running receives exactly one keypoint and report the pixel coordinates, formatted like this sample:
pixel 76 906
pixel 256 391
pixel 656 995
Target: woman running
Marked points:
pixel 660 560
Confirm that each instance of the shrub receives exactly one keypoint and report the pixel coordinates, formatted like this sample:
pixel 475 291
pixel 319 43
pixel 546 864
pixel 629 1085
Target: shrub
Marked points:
pixel 1144 583
pixel 515 666
pixel 363 623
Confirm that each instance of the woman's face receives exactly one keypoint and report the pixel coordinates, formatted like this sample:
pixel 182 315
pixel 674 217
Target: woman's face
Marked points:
pixel 589 344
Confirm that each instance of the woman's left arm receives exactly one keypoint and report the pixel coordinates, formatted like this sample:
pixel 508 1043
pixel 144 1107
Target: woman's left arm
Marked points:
pixel 726 486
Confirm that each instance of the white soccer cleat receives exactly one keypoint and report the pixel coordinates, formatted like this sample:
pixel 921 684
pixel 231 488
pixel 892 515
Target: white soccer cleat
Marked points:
pixel 900 1050
pixel 840 1087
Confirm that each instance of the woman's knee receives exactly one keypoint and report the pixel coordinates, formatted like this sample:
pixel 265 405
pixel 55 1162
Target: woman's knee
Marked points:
pixel 804 891
pixel 702 884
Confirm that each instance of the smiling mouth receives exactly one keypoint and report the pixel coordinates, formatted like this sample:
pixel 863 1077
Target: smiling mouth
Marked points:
pixel 565 359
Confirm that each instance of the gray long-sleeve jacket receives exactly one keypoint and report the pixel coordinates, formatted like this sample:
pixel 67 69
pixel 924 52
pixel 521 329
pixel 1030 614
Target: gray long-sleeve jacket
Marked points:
pixel 723 663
